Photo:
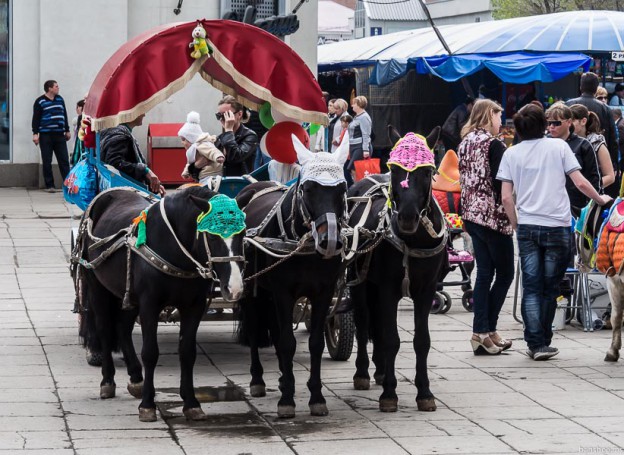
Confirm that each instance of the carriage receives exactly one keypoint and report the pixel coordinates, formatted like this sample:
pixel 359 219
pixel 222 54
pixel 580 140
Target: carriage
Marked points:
pixel 122 91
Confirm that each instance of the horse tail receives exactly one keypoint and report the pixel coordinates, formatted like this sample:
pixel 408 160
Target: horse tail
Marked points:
pixel 87 330
pixel 256 320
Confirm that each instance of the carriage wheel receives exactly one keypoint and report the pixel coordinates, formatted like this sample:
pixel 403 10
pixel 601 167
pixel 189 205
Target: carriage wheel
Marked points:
pixel 339 335
pixel 448 301
pixel 467 300
pixel 438 303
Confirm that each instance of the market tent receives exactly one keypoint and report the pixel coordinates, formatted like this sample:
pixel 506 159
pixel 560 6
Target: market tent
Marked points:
pixel 570 33
pixel 246 62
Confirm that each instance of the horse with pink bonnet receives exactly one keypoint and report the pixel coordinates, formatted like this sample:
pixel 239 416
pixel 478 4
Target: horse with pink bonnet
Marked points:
pixel 410 258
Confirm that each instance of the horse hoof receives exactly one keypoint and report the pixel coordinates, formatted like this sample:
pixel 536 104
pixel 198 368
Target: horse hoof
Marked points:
pixel 257 390
pixel 319 409
pixel 426 404
pixel 285 411
pixel 135 389
pixel 612 356
pixel 195 414
pixel 389 405
pixel 379 379
pixel 147 414
pixel 361 383
pixel 107 391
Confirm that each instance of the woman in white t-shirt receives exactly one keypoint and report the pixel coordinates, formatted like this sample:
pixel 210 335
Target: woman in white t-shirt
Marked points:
pixel 536 169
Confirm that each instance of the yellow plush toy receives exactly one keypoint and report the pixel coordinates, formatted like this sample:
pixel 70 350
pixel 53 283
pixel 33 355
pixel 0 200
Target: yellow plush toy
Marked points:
pixel 199 45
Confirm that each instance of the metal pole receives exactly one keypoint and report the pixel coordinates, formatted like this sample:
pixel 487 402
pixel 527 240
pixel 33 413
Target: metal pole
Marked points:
pixel 464 82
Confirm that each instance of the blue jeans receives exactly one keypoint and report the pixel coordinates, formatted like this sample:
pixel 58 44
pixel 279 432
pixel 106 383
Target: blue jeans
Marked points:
pixel 494 254
pixel 544 256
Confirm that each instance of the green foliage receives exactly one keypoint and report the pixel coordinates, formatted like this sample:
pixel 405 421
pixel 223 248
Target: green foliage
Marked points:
pixel 505 9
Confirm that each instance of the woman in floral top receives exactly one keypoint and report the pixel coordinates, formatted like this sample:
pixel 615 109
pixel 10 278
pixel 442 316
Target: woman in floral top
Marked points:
pixel 480 154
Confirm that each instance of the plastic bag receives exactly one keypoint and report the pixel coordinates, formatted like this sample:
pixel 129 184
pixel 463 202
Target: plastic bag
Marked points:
pixel 366 167
pixel 80 186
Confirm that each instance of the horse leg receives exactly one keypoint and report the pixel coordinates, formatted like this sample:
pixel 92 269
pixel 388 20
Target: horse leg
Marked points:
pixel 134 367
pixel 104 306
pixel 149 354
pixel 361 316
pixel 286 348
pixel 316 343
pixel 615 285
pixel 422 343
pixel 190 317
pixel 388 345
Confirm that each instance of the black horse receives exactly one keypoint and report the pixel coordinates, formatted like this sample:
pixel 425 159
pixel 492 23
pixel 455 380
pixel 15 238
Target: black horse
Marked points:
pixel 408 261
pixel 191 238
pixel 295 248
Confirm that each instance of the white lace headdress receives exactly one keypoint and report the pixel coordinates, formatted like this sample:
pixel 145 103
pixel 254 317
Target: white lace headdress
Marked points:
pixel 322 167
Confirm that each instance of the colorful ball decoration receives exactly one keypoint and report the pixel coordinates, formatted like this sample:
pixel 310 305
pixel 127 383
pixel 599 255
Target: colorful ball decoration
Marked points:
pixel 278 117
pixel 263 147
pixel 265 115
pixel 279 142
pixel 314 128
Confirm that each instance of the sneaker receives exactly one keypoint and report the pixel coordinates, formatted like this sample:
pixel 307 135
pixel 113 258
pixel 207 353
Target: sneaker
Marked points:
pixel 544 353
pixel 50 190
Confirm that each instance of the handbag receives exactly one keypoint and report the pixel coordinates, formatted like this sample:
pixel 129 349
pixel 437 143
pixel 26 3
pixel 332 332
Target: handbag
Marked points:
pixel 366 167
pixel 80 185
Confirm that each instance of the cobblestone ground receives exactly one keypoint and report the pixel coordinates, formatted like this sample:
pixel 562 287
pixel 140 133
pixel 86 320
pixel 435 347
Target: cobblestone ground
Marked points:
pixel 505 404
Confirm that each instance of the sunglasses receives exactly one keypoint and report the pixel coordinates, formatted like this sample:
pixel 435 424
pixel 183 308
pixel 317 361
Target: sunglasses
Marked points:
pixel 221 116
pixel 601 97
pixel 554 122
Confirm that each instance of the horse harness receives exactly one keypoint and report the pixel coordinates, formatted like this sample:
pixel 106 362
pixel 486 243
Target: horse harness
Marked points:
pixel 385 231
pixel 284 247
pixel 127 238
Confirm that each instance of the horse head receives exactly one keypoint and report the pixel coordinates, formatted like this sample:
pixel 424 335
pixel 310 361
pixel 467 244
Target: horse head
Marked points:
pixel 412 166
pixel 220 235
pixel 321 195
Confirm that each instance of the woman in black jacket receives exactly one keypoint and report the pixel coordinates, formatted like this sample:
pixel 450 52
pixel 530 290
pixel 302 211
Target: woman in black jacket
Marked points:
pixel 237 142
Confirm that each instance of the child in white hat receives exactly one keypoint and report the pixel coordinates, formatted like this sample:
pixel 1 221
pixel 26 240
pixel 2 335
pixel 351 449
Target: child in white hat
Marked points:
pixel 199 144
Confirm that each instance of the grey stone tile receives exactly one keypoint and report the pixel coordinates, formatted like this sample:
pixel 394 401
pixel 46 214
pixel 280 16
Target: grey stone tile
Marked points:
pixel 454 445
pixel 351 447
pixel 33 440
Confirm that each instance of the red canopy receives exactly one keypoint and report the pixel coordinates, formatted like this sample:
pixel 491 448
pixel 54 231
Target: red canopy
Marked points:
pixel 248 63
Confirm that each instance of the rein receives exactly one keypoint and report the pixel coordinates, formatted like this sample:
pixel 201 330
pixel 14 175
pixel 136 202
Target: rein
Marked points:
pixel 126 238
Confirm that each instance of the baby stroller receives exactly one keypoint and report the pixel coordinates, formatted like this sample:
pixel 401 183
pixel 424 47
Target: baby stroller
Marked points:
pixel 458 259
pixel 446 190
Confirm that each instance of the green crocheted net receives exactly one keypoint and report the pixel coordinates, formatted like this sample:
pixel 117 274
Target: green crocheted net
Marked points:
pixel 224 218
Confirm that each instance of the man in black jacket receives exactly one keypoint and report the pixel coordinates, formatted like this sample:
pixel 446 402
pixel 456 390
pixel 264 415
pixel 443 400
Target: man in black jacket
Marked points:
pixel 589 86
pixel 119 148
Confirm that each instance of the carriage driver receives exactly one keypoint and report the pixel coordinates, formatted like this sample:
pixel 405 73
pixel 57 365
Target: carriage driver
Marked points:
pixel 120 149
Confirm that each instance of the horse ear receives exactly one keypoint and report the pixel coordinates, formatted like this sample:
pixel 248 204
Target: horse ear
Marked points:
pixel 393 134
pixel 303 154
pixel 342 152
pixel 433 137
pixel 202 204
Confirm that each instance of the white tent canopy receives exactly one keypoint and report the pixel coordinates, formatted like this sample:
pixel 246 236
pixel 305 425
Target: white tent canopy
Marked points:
pixel 576 31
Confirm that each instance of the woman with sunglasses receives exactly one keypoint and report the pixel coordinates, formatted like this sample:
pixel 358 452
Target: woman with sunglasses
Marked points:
pixel 559 121
pixel 602 95
pixel 586 124
pixel 237 142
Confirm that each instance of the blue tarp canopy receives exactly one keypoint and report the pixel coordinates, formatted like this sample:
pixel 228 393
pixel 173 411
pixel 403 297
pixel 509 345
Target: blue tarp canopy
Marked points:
pixel 515 68
pixel 520 49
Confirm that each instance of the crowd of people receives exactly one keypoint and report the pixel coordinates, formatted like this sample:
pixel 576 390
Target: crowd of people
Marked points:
pixel 562 157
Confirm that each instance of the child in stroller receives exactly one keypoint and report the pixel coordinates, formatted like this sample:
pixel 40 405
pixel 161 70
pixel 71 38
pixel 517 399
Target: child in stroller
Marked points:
pixel 446 190
pixel 461 259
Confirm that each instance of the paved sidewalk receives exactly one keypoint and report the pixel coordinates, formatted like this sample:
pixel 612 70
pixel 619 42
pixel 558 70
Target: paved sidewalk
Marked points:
pixel 507 404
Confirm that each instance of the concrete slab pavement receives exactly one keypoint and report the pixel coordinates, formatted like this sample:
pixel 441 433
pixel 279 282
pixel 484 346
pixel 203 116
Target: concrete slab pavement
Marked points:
pixel 506 404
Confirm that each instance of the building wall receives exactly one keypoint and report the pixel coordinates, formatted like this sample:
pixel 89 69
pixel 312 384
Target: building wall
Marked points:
pixel 70 40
